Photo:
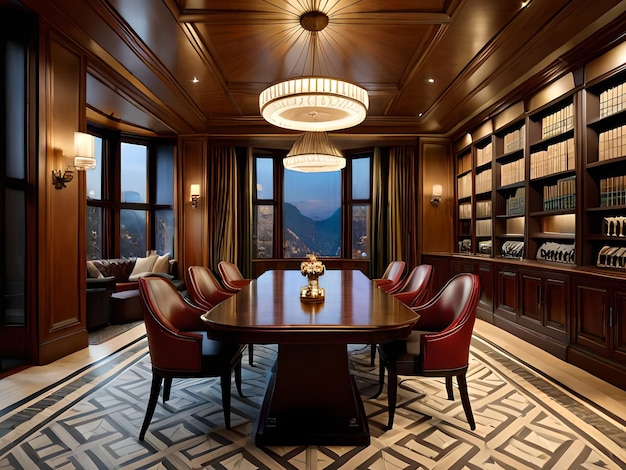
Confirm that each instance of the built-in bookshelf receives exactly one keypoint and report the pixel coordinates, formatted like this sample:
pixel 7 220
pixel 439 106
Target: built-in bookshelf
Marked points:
pixel 605 172
pixel 549 184
pixel 464 191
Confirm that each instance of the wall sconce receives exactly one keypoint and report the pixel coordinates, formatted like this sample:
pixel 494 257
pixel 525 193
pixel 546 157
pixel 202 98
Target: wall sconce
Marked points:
pixel 437 194
pixel 195 195
pixel 84 159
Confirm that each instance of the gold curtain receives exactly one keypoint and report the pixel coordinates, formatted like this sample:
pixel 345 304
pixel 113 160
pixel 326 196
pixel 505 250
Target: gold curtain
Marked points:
pixel 394 208
pixel 224 218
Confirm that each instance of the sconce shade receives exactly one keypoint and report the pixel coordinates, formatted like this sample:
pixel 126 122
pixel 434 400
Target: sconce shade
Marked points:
pixel 437 194
pixel 195 194
pixel 84 151
pixel 313 152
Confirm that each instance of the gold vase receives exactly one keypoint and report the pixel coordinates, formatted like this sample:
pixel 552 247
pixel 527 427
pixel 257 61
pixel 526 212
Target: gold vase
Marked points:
pixel 312 292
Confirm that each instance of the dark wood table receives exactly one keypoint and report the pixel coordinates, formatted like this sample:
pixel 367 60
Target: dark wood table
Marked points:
pixel 312 398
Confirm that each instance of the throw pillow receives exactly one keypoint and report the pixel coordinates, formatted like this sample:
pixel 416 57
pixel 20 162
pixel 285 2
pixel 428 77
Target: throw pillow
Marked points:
pixel 136 276
pixel 93 271
pixel 162 264
pixel 143 265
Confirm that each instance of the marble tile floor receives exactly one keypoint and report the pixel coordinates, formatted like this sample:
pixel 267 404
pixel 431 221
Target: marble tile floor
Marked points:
pixel 531 423
pixel 605 395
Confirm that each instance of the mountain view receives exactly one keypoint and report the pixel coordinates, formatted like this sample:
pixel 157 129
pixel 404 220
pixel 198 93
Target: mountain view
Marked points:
pixel 304 235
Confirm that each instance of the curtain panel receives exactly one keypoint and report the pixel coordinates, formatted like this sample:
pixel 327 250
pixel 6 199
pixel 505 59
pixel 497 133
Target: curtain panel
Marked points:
pixel 223 190
pixel 394 207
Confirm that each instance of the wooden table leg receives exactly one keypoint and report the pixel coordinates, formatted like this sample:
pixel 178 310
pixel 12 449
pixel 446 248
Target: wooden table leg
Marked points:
pixel 312 399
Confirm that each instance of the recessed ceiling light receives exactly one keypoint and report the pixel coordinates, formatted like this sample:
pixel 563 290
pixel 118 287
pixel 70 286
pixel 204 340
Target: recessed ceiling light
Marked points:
pixel 420 114
pixel 430 80
pixel 195 80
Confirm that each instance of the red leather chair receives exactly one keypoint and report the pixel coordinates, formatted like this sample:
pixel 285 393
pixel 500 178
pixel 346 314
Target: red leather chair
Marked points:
pixel 438 346
pixel 393 277
pixel 205 291
pixel 416 288
pixel 203 287
pixel 415 291
pixel 232 278
pixel 176 351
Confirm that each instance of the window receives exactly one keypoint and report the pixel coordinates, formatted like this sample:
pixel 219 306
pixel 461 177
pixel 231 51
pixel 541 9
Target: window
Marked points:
pixel 299 213
pixel 131 210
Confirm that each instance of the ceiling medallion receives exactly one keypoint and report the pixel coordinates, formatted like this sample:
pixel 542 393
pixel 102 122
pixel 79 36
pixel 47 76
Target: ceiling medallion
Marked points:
pixel 313 152
pixel 314 103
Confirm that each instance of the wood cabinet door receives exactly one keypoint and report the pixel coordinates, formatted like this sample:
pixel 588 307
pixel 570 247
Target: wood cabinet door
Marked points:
pixel 618 323
pixel 485 273
pixel 507 293
pixel 555 304
pixel 531 298
pixel 591 319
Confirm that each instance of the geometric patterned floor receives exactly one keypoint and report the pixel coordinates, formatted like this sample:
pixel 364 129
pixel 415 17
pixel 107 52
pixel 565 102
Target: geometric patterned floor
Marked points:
pixel 91 419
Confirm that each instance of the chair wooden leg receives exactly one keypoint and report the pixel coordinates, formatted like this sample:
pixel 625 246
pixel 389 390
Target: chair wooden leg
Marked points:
pixel 152 402
pixel 392 392
pixel 238 377
pixel 225 385
pixel 250 354
pixel 449 388
pixel 381 377
pixel 167 388
pixel 461 380
pixel 372 354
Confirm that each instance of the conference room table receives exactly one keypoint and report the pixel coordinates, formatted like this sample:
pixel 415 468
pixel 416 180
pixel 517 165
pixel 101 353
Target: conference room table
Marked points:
pixel 311 397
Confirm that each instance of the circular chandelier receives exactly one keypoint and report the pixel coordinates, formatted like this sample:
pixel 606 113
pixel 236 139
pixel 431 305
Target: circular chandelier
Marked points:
pixel 314 103
pixel 313 152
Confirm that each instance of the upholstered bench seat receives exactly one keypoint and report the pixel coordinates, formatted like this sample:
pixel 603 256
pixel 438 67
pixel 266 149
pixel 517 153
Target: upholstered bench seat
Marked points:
pixel 126 306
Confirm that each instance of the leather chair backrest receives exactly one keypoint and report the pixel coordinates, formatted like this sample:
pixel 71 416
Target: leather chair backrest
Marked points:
pixel 396 270
pixel 454 308
pixel 203 287
pixel 230 271
pixel 167 317
pixel 416 287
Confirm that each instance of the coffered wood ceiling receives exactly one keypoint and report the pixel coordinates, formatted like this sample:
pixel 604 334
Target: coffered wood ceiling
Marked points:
pixel 483 54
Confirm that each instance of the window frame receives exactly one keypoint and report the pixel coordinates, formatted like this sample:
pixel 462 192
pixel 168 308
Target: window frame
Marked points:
pixel 277 201
pixel 111 195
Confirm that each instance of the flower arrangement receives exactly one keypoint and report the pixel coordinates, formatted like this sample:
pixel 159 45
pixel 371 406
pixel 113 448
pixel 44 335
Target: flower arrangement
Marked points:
pixel 312 266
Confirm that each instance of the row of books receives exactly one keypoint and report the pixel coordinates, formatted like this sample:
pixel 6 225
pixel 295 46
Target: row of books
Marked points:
pixel 465 211
pixel 514 140
pixel 483 181
pixel 483 155
pixel 557 123
pixel 516 205
pixel 464 163
pixel 561 195
pixel 512 172
pixel 483 228
pixel 483 209
pixel 464 185
pixel 556 158
pixel 612 143
pixel 613 191
pixel 613 100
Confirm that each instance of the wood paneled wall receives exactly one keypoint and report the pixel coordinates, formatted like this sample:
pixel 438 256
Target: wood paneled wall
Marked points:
pixel 193 222
pixel 436 223
pixel 61 213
